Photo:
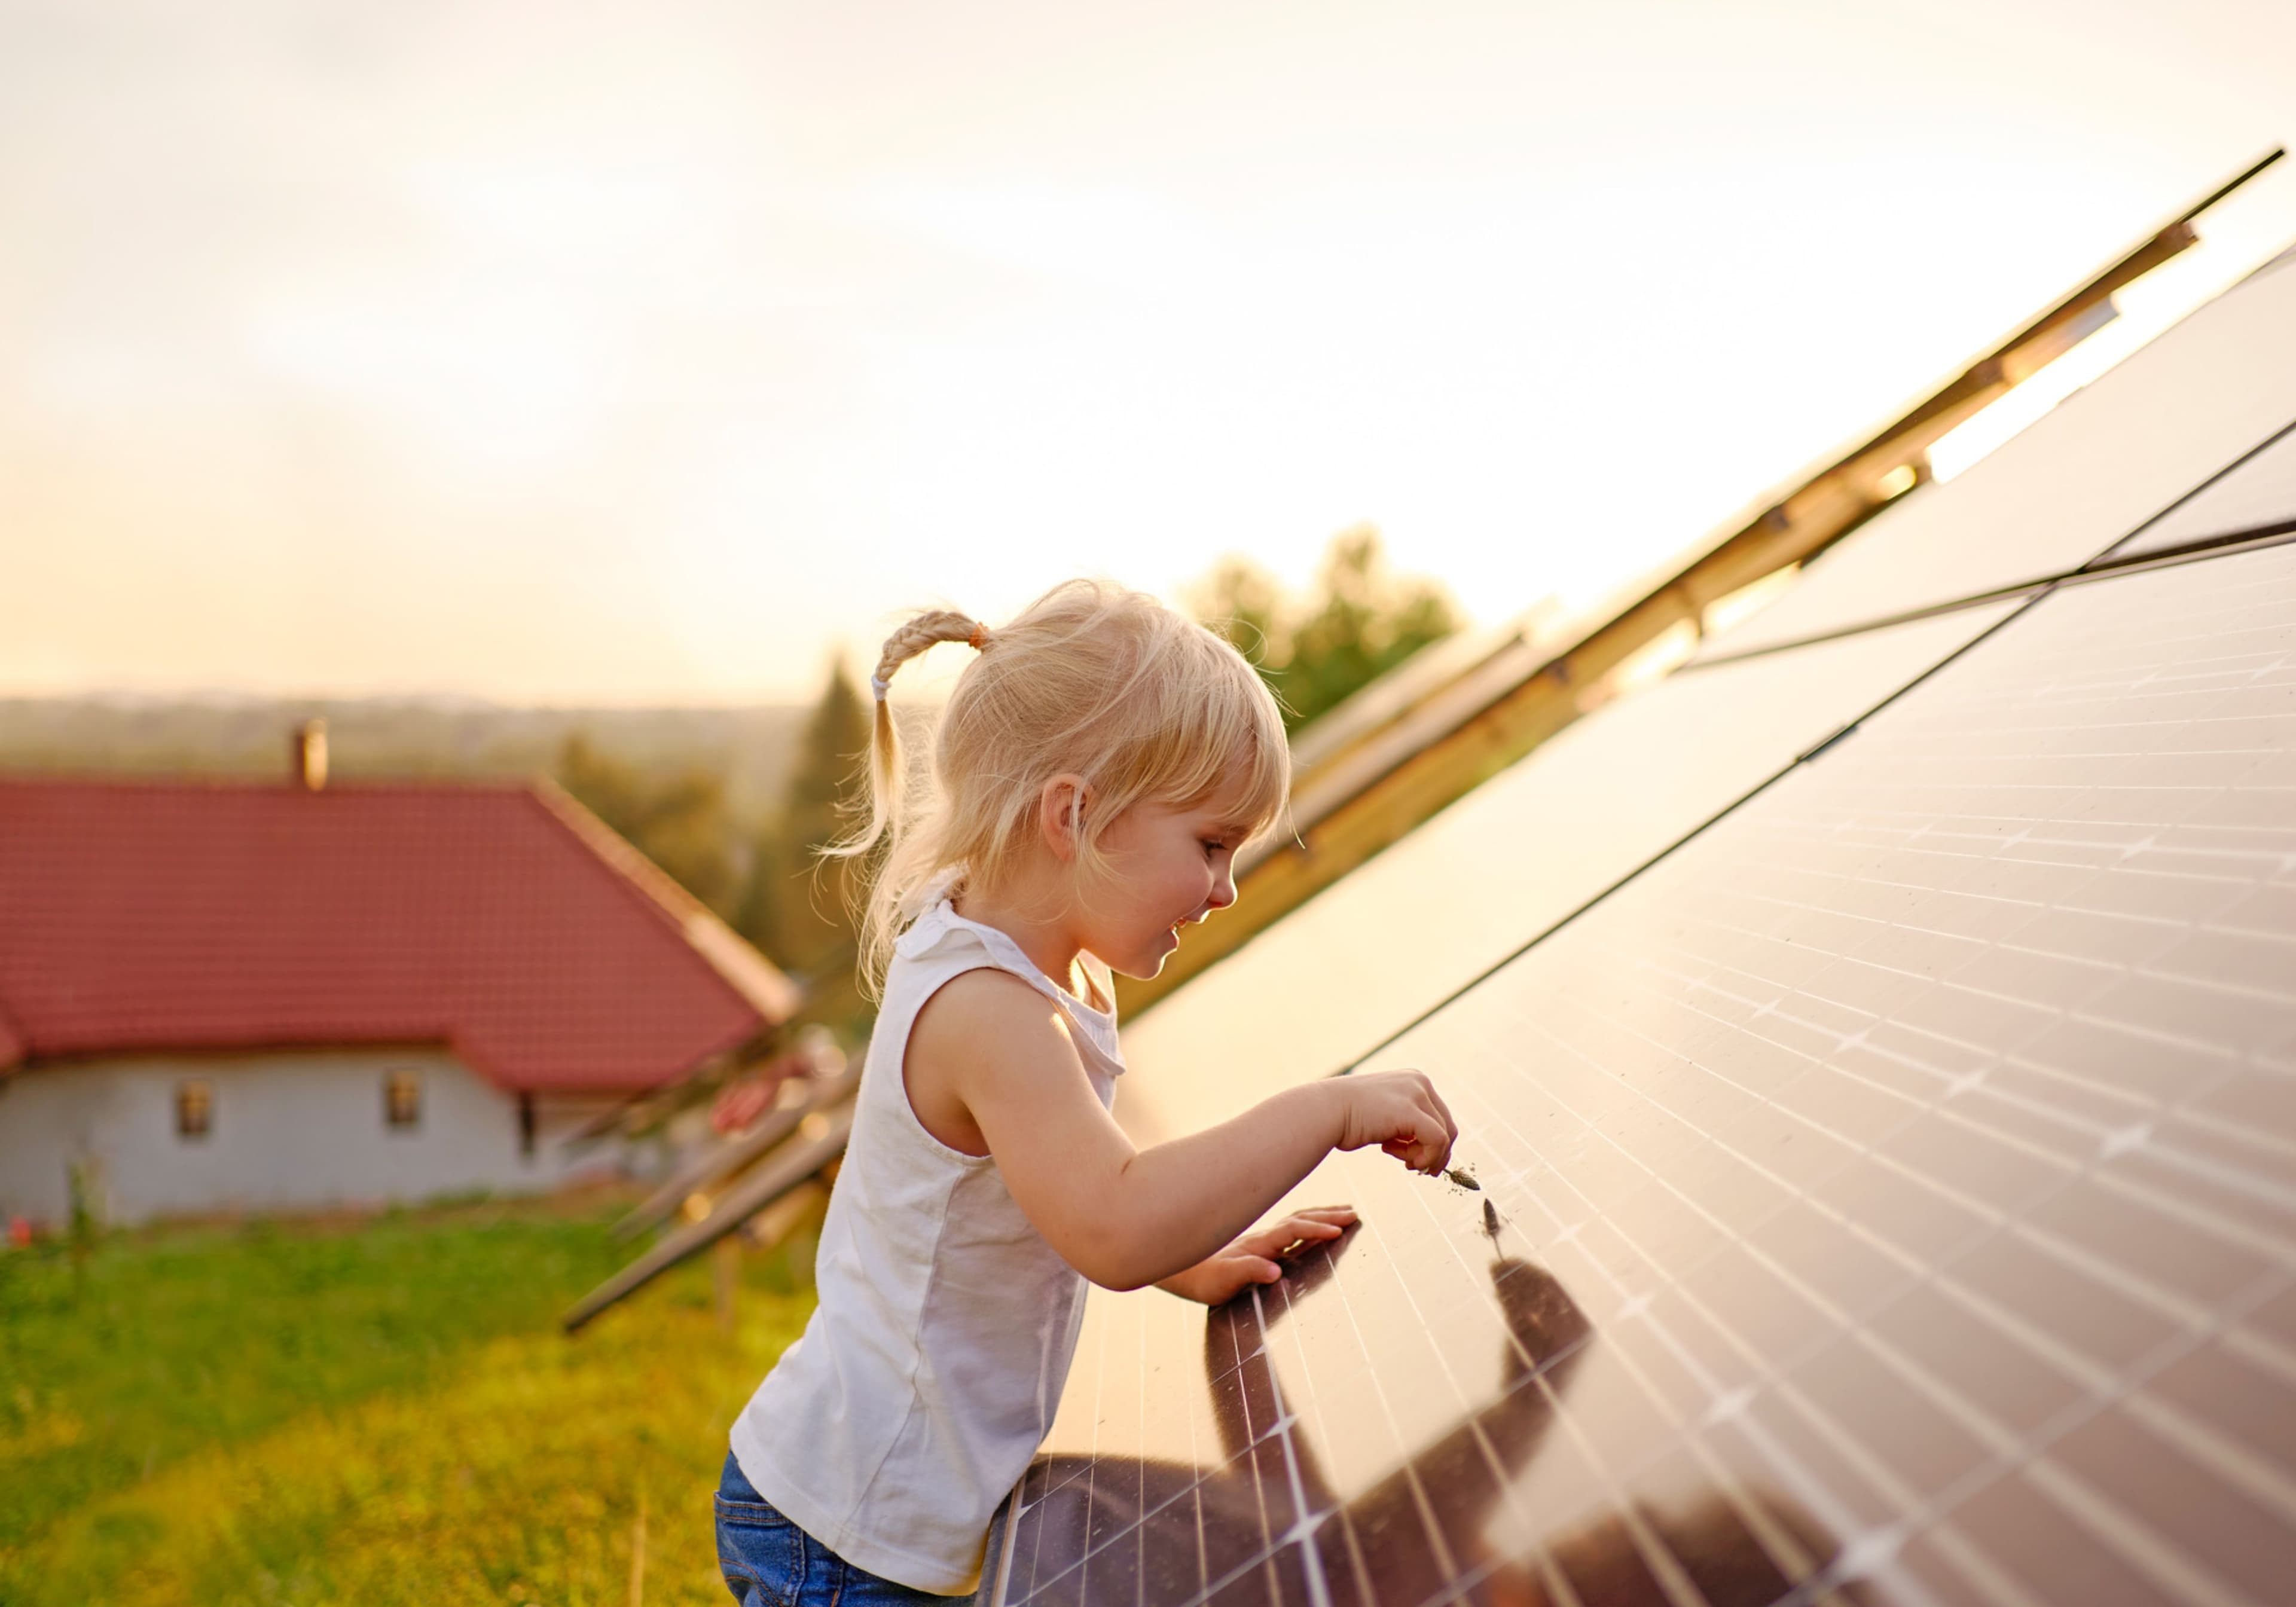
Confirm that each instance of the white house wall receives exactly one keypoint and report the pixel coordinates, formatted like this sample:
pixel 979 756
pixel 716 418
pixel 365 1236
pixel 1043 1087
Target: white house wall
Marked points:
pixel 289 1131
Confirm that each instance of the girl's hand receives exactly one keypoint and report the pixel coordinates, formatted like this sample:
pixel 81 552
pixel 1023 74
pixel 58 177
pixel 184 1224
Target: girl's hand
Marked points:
pixel 1255 1257
pixel 1399 1112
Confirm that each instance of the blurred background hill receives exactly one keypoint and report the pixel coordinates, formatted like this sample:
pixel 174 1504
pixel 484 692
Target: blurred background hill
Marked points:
pixel 246 736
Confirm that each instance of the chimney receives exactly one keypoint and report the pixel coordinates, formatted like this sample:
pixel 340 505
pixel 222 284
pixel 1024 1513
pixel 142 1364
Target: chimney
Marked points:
pixel 308 749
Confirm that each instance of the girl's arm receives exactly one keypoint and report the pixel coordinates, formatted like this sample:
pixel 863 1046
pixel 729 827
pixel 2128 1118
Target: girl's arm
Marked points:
pixel 1122 1217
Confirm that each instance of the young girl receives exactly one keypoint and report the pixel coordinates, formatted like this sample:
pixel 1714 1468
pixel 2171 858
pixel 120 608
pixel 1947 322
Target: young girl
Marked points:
pixel 1096 770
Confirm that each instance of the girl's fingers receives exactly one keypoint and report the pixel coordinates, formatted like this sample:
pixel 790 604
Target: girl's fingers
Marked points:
pixel 1254 1269
pixel 1438 1143
pixel 1278 1237
pixel 1444 1126
pixel 1415 1152
pixel 1450 1123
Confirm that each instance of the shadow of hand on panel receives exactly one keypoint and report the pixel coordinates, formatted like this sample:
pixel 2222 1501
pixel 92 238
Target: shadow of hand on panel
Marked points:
pixel 1156 1532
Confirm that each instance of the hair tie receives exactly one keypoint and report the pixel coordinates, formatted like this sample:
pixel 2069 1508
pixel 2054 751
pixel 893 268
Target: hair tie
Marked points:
pixel 979 639
pixel 878 684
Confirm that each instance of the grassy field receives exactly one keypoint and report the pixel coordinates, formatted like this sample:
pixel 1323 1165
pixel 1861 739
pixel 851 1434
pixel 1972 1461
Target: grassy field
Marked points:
pixel 378 1412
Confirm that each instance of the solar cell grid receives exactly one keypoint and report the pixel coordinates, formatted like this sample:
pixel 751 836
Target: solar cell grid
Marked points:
pixel 1896 1191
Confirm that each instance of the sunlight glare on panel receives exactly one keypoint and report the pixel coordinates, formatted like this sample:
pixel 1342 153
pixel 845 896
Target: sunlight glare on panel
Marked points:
pixel 2242 232
pixel 2077 480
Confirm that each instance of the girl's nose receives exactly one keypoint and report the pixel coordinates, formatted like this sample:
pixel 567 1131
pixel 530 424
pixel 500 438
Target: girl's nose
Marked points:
pixel 1223 889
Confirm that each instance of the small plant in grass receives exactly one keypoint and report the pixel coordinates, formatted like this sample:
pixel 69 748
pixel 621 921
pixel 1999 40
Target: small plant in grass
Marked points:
pixel 84 1220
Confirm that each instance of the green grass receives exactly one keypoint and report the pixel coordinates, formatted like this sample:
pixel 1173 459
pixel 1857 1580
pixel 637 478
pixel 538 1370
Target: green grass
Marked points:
pixel 382 1412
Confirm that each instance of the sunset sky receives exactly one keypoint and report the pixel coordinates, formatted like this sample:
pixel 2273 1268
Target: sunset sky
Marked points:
pixel 652 353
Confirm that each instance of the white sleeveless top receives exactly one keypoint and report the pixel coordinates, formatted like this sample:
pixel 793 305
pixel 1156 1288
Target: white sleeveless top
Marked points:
pixel 931 1369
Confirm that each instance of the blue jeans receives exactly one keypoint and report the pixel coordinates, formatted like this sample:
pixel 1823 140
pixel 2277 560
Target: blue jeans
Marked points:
pixel 769 1561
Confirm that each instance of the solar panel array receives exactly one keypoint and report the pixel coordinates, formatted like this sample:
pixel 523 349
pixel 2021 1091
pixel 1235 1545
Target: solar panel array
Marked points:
pixel 1890 1186
pixel 1893 1198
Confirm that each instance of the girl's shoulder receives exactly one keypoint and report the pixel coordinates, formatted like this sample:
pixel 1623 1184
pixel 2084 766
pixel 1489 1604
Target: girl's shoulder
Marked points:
pixel 940 931
pixel 940 947
pixel 941 944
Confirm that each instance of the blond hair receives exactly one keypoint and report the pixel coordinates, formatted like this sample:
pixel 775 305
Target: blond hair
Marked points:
pixel 1092 679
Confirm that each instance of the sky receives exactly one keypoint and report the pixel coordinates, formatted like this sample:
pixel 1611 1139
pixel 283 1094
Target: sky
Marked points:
pixel 656 353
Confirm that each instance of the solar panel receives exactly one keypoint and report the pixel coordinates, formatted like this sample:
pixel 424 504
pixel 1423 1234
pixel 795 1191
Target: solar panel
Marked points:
pixel 1506 862
pixel 2081 478
pixel 1887 1196
pixel 2259 494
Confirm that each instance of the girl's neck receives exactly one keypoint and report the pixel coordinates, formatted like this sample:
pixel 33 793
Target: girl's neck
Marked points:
pixel 1049 943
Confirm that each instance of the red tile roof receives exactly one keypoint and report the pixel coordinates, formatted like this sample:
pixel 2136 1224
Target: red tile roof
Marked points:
pixel 505 921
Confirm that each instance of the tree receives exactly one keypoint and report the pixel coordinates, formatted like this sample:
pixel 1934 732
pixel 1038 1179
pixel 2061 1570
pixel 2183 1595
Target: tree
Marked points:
pixel 796 909
pixel 679 822
pixel 1244 603
pixel 1361 621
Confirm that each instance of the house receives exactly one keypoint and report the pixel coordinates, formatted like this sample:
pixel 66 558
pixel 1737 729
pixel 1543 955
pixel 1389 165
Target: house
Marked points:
pixel 219 995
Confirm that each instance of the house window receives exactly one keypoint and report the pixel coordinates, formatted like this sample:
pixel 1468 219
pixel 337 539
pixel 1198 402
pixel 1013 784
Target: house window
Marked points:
pixel 526 1123
pixel 194 1108
pixel 402 1099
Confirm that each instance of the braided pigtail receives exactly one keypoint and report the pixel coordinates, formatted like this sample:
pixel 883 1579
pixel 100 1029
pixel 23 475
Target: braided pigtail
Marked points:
pixel 888 779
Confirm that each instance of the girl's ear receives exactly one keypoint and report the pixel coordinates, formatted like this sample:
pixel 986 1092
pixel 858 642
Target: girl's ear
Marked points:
pixel 1061 805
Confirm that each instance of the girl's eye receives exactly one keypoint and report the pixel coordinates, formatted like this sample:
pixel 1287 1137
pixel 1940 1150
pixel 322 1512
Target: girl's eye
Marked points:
pixel 1211 847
